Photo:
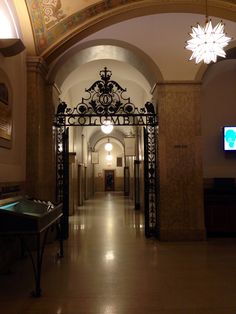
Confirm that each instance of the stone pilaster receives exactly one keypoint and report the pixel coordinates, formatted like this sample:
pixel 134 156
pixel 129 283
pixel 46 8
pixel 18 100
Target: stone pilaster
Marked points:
pixel 40 163
pixel 181 191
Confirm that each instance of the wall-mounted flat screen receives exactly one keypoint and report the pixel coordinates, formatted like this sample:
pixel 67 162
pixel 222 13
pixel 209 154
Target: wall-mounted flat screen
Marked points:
pixel 229 138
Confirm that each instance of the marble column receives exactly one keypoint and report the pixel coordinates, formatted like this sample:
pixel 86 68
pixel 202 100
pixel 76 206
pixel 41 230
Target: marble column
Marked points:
pixel 181 190
pixel 40 163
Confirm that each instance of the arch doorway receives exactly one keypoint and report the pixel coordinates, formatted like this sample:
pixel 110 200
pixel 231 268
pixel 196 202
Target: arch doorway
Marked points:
pixel 105 102
pixel 109 180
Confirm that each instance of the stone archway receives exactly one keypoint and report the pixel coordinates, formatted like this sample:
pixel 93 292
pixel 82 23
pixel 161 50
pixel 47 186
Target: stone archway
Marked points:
pixel 68 29
pixel 105 101
pixel 95 50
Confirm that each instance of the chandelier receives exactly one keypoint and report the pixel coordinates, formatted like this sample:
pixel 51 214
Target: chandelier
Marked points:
pixel 207 42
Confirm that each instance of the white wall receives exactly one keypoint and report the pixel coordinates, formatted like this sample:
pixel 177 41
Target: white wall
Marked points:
pixel 218 109
pixel 104 164
pixel 13 160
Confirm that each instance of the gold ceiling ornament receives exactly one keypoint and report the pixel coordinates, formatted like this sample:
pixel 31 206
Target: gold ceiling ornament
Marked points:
pixel 208 42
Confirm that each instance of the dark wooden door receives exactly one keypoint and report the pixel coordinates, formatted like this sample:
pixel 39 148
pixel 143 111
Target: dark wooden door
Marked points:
pixel 109 180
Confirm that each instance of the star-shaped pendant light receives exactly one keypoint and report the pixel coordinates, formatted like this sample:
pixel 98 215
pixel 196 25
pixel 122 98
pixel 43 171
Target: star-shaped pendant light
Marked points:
pixel 207 42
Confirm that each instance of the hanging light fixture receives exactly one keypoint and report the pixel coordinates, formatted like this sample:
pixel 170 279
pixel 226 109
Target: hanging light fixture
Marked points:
pixel 109 156
pixel 107 127
pixel 207 42
pixel 108 146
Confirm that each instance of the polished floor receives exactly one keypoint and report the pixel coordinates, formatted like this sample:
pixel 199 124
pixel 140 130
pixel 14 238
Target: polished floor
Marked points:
pixel 111 268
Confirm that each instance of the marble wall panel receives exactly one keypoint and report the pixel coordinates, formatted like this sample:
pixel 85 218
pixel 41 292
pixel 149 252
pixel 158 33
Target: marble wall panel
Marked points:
pixel 40 163
pixel 181 192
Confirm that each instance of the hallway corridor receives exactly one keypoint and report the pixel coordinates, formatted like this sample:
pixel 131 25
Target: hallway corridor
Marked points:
pixel 109 267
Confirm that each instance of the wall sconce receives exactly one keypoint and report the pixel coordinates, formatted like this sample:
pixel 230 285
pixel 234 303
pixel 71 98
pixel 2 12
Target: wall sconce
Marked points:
pixel 11 46
pixel 10 42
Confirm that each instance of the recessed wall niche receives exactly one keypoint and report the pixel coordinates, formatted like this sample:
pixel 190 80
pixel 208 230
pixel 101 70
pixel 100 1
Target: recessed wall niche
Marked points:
pixel 5 111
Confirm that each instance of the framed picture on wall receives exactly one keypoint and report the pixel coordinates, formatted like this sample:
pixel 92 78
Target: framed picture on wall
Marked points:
pixel 95 158
pixel 5 117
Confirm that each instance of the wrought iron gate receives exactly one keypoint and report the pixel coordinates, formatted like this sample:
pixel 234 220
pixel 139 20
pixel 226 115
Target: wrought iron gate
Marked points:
pixel 106 101
pixel 62 175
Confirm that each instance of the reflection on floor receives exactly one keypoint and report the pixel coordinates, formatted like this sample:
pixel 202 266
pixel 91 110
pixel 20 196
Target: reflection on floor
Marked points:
pixel 110 268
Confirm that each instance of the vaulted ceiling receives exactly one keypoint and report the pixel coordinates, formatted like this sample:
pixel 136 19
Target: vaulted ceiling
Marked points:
pixel 141 40
pixel 58 24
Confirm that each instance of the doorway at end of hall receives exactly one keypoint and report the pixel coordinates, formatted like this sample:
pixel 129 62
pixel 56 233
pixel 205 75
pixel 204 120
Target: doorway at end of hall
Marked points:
pixel 109 180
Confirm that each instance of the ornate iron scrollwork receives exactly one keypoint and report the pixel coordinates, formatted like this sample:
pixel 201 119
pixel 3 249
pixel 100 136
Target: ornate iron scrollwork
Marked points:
pixel 152 186
pixel 105 98
pixel 59 163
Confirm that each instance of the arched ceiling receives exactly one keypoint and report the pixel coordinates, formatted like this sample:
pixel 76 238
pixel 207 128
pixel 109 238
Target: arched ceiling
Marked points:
pixel 161 39
pixel 103 49
pixel 60 31
pixel 226 66
pixel 101 143
pixel 138 90
pixel 58 24
pixel 159 29
pixel 95 135
pixel 85 75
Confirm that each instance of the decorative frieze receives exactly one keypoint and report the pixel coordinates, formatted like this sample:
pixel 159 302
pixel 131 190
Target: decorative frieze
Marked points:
pixel 52 20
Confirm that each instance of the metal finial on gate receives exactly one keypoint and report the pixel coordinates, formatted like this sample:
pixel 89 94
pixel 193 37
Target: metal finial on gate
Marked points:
pixel 150 108
pixel 105 74
pixel 61 107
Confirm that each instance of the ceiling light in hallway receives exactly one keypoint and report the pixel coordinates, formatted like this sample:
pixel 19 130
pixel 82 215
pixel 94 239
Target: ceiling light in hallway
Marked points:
pixel 108 146
pixel 109 256
pixel 107 127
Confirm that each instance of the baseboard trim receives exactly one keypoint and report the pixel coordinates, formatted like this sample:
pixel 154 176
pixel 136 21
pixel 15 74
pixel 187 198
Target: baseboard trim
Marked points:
pixel 183 235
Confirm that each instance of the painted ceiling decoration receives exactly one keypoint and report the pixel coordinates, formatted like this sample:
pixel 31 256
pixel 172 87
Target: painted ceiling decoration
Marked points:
pixel 54 20
pixel 52 12
pixel 50 19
